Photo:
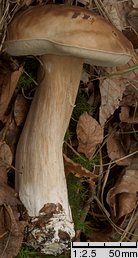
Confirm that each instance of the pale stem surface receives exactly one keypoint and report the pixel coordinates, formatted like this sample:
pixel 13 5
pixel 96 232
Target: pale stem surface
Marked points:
pixel 41 177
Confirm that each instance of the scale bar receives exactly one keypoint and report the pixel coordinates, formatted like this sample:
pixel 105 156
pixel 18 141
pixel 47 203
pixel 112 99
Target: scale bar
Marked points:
pixel 104 245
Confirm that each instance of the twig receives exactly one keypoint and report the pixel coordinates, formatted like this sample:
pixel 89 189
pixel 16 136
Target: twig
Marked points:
pixel 115 161
pixel 105 181
pixel 134 216
pixel 117 229
pixel 102 10
pixel 100 176
pixel 81 157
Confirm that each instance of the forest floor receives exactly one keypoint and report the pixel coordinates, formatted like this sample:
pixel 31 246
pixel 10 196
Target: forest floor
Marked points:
pixel 101 140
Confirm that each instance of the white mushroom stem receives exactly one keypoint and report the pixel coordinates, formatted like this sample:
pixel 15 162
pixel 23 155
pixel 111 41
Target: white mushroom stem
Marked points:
pixel 41 179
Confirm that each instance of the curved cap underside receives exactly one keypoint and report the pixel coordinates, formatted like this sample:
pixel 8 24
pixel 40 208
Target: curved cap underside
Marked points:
pixel 71 31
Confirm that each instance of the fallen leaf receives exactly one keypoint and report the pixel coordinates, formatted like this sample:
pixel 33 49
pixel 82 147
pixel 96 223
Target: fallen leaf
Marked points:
pixel 8 195
pixel 124 114
pixel 11 232
pixel 126 203
pixel 21 107
pixel 8 83
pixel 116 11
pixel 6 155
pixel 100 235
pixel 135 3
pixel 10 133
pixel 132 36
pixel 132 18
pixel 135 232
pixel 128 115
pixel 119 90
pixel 116 151
pixel 111 94
pixel 130 96
pixel 89 134
pixel 122 198
pixel 77 169
pixel 84 2
pixel 6 158
pixel 85 76
pixel 129 110
pixel 27 2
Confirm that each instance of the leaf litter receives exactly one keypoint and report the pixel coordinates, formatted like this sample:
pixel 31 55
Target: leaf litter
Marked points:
pixel 107 135
pixel 89 135
pixel 122 198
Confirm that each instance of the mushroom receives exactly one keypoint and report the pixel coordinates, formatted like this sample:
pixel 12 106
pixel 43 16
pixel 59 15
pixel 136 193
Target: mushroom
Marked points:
pixel 64 37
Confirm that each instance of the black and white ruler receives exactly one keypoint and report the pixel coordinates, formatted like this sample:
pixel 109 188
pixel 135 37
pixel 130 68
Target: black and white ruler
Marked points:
pixel 104 249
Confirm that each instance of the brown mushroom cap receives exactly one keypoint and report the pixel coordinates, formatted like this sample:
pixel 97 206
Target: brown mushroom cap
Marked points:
pixel 67 30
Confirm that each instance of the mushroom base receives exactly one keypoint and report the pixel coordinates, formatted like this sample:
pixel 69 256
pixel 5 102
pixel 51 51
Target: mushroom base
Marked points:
pixel 50 232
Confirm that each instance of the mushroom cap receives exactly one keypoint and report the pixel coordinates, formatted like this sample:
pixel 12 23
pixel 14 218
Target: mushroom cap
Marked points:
pixel 69 31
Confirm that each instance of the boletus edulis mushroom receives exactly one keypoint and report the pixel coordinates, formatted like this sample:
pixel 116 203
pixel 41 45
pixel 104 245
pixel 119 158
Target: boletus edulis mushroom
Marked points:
pixel 64 37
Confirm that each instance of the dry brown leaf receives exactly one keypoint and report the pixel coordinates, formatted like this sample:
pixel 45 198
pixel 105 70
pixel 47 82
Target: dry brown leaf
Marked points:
pixel 111 94
pixel 89 134
pixel 132 18
pixel 84 2
pixel 132 34
pixel 99 235
pixel 128 115
pixel 117 11
pixel 130 95
pixel 6 155
pixel 126 203
pixel 8 83
pixel 131 76
pixel 129 102
pixel 8 195
pixel 10 133
pixel 122 198
pixel 21 107
pixel 6 158
pixel 112 90
pixel 77 169
pixel 117 91
pixel 11 232
pixel 116 151
pixel 85 77
pixel 135 3
pixel 27 2
pixel 124 114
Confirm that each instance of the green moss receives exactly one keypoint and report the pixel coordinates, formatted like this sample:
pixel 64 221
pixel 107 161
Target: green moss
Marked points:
pixel 25 82
pixel 27 252
pixel 69 135
pixel 84 162
pixel 81 106
pixel 78 194
pixel 28 77
pixel 77 189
